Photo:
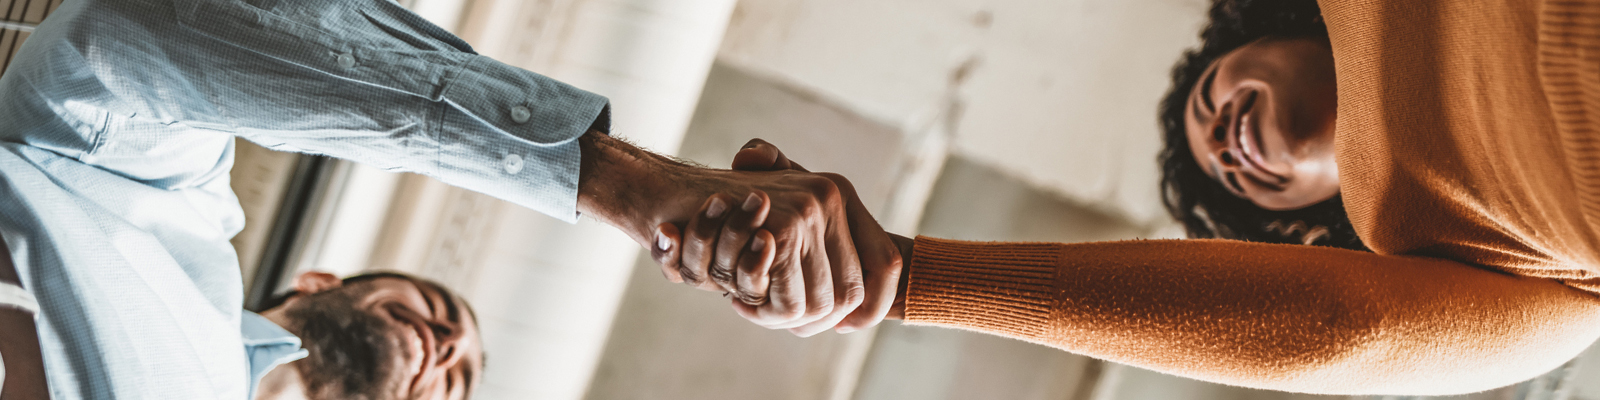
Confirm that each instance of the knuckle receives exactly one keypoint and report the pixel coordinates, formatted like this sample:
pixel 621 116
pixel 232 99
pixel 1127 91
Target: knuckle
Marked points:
pixel 748 297
pixel 854 296
pixel 689 276
pixel 790 314
pixel 720 274
pixel 819 308
pixel 821 186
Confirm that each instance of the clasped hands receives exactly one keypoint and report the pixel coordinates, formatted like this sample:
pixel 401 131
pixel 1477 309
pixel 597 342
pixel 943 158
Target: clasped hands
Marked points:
pixel 797 251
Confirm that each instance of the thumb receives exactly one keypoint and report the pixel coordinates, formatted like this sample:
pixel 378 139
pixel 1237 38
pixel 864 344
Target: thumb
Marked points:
pixel 758 155
pixel 666 249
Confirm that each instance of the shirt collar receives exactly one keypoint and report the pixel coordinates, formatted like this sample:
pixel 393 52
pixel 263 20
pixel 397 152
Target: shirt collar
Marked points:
pixel 267 346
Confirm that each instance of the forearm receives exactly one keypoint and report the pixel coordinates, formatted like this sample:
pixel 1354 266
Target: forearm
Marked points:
pixel 1294 318
pixel 633 189
pixel 23 376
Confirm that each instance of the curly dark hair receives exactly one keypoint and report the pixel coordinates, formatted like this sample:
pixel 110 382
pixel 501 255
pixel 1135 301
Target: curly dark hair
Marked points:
pixel 1206 209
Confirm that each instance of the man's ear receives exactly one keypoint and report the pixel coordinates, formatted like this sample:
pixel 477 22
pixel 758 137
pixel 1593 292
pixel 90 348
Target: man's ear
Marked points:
pixel 315 281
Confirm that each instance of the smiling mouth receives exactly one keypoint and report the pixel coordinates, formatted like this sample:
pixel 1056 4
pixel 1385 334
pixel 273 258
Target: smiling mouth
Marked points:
pixel 1247 130
pixel 423 337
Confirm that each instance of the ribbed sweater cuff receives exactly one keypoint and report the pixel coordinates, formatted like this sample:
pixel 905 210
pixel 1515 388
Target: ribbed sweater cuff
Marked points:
pixel 1003 288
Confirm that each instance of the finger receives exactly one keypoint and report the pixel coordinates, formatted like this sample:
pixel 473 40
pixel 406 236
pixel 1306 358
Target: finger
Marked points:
pixel 881 263
pixel 848 289
pixel 735 239
pixel 786 288
pixel 752 282
pixel 821 285
pixel 829 321
pixel 845 302
pixel 666 252
pixel 758 155
pixel 700 241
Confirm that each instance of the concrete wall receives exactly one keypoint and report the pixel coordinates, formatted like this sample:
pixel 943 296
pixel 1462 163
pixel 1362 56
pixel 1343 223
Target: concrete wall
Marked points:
pixel 1060 93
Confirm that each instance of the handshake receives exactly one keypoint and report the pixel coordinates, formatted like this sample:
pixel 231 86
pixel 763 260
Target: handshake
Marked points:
pixel 798 252
pixel 795 250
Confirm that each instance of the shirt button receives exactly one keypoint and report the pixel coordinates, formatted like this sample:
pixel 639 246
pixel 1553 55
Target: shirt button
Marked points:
pixel 512 163
pixel 347 61
pixel 520 114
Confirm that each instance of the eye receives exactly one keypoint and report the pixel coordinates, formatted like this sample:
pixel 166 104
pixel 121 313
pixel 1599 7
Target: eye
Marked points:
pixel 1233 181
pixel 440 330
pixel 449 351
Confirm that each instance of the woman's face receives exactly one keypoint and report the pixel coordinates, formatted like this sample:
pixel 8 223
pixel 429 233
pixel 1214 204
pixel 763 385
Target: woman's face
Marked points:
pixel 1260 122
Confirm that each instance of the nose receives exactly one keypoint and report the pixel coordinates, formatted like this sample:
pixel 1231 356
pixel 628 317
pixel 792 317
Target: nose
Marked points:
pixel 1221 143
pixel 449 338
pixel 1223 147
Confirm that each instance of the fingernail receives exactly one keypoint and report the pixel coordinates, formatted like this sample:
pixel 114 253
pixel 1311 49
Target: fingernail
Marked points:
pixel 752 203
pixel 844 329
pixel 756 244
pixel 716 209
pixel 662 241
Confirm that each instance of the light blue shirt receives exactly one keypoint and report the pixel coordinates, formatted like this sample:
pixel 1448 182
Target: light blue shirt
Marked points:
pixel 117 122
pixel 267 346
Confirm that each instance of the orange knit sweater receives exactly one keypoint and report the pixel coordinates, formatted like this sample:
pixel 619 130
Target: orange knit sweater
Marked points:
pixel 1469 152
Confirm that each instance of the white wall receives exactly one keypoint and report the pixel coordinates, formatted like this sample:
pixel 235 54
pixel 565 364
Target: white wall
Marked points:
pixel 1059 92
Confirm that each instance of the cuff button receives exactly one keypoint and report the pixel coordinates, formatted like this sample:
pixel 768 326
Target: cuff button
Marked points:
pixel 521 114
pixel 347 61
pixel 512 163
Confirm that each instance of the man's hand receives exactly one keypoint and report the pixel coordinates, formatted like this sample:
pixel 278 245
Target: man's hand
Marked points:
pixel 881 253
pixel 797 220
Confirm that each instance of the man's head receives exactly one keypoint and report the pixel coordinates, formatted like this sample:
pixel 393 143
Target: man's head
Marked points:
pixel 381 336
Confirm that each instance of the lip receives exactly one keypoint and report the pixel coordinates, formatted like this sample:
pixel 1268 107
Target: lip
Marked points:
pixel 1247 132
pixel 424 335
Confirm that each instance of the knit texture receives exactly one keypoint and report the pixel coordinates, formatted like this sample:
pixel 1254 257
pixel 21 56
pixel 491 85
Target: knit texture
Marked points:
pixel 1469 162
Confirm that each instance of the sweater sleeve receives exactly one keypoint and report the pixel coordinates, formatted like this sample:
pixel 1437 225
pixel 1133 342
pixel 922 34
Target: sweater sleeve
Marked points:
pixel 1283 317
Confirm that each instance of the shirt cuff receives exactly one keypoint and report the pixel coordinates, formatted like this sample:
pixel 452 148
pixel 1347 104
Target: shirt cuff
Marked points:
pixel 527 105
pixel 511 134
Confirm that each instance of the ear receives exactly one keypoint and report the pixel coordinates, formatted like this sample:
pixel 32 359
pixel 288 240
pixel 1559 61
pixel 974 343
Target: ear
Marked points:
pixel 315 281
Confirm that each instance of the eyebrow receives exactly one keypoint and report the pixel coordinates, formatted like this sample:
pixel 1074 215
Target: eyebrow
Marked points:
pixel 1205 92
pixel 466 382
pixel 452 312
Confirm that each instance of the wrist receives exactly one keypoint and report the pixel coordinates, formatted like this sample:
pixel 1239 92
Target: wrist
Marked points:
pixel 632 189
pixel 906 246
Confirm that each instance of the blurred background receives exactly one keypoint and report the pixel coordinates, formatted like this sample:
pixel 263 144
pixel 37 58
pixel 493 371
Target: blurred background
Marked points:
pixel 1020 120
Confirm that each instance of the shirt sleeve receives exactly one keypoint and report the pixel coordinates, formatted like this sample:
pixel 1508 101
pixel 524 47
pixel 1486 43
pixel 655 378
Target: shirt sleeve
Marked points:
pixel 364 80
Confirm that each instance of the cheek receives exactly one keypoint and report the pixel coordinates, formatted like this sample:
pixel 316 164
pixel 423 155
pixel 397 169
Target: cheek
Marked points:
pixel 1314 183
pixel 1314 110
pixel 1201 148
